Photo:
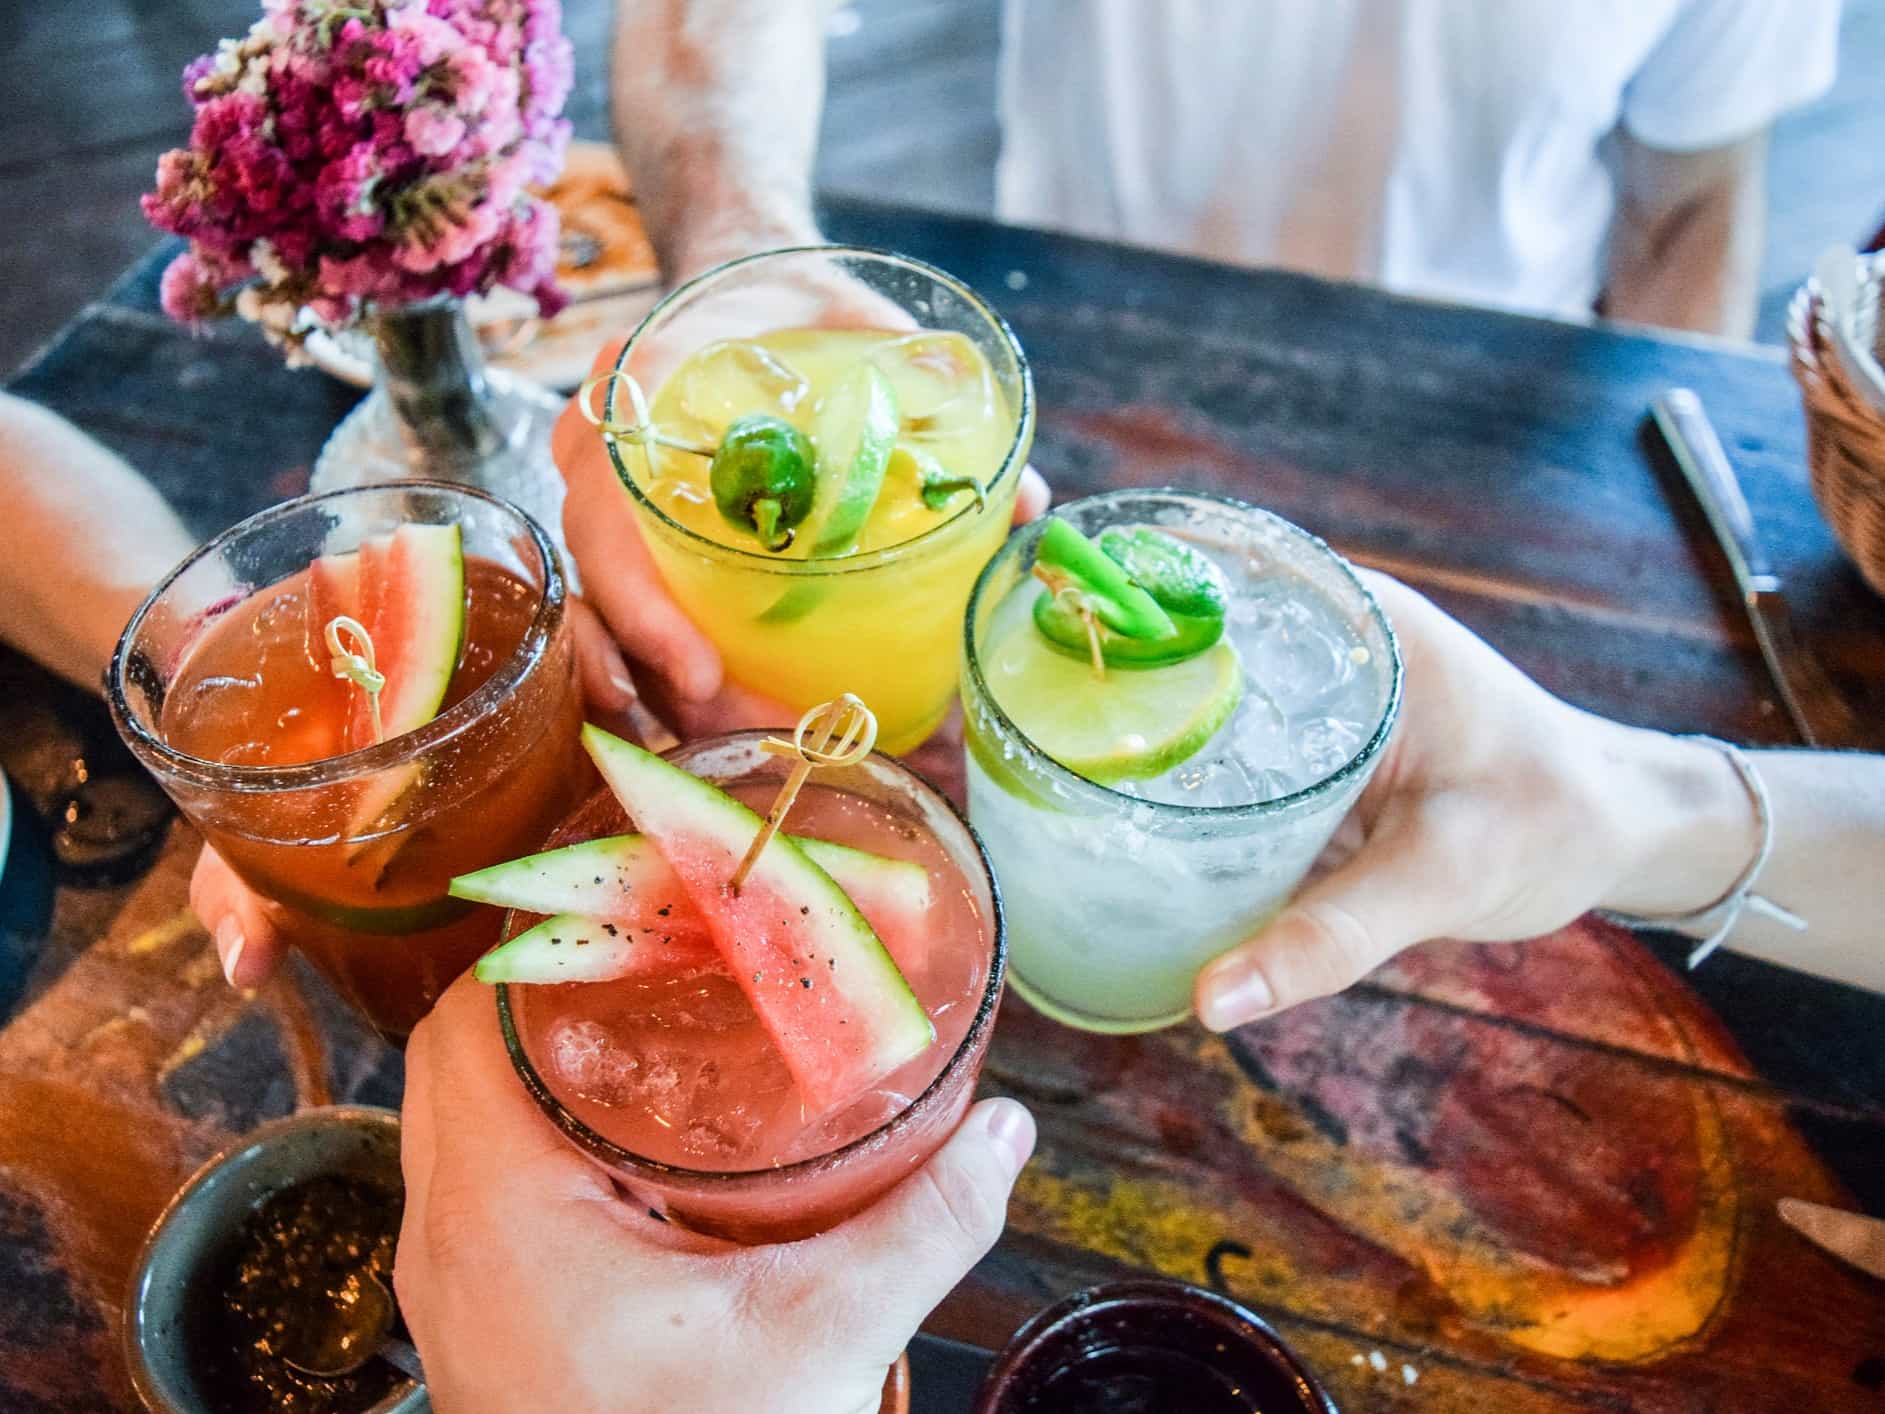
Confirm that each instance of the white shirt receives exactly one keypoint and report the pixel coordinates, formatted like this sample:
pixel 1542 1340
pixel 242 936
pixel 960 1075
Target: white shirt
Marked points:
pixel 1451 148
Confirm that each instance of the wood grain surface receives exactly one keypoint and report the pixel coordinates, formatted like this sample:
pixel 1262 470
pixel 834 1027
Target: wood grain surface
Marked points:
pixel 1517 1178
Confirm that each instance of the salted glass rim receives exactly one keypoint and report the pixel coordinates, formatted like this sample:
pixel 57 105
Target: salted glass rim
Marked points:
pixel 456 719
pixel 1012 461
pixel 729 1180
pixel 1362 761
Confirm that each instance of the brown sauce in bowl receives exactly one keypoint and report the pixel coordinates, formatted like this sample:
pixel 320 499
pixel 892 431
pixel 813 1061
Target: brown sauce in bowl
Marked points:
pixel 288 1264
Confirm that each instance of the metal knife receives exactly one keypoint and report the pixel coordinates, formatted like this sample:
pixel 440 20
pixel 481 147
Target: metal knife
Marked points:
pixel 1852 1237
pixel 1819 713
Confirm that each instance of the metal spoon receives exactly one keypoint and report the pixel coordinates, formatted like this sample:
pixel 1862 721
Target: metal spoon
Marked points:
pixel 357 1327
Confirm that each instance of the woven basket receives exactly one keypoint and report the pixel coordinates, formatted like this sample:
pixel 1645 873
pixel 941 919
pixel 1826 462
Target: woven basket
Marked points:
pixel 1845 436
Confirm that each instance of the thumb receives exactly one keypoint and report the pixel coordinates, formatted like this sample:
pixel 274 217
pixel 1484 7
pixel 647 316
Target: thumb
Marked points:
pixel 1390 895
pixel 898 1258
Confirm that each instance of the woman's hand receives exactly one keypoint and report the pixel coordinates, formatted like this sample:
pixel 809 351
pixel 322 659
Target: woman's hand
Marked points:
pixel 1497 812
pixel 528 1279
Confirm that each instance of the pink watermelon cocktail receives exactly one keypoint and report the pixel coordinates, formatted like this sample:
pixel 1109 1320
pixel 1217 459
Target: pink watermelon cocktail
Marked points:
pixel 673 1082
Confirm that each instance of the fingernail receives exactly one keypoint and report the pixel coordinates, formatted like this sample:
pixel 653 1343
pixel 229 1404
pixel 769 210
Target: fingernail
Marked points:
pixel 1233 994
pixel 229 945
pixel 1011 1130
pixel 624 687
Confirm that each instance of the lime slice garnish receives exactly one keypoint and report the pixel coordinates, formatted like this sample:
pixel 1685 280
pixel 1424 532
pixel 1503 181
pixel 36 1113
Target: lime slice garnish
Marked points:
pixel 853 433
pixel 1126 726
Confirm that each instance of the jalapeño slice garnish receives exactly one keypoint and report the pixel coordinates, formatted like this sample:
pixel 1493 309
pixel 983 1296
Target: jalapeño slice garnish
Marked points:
pixel 1182 583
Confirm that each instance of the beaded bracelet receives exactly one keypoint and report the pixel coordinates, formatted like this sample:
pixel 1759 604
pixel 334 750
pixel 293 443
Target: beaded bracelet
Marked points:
pixel 1740 896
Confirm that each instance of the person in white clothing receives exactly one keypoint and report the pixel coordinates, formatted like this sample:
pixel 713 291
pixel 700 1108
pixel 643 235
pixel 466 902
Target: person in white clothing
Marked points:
pixel 1555 157
pixel 1534 154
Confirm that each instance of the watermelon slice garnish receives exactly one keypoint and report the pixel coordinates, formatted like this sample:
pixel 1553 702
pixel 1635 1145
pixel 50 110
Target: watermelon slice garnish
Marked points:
pixel 822 984
pixel 622 882
pixel 622 879
pixel 407 590
pixel 412 603
pixel 333 591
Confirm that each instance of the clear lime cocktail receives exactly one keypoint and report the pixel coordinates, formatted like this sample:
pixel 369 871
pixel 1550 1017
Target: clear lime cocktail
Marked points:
pixel 1144 819
pixel 916 465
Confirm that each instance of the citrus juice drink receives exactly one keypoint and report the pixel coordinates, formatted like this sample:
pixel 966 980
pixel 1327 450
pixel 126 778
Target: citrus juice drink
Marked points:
pixel 224 686
pixel 672 1080
pixel 1147 817
pixel 913 422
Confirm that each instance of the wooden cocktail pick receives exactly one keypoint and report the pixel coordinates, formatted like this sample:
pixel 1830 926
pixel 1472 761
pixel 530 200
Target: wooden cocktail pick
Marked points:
pixel 356 664
pixel 642 431
pixel 839 733
pixel 1062 588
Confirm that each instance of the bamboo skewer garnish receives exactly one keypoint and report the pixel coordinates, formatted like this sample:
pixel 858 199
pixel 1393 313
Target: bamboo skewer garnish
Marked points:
pixel 642 431
pixel 356 665
pixel 841 733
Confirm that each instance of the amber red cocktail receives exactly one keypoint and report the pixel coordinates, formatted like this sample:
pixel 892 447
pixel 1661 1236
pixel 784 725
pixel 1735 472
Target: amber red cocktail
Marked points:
pixel 670 1081
pixel 223 687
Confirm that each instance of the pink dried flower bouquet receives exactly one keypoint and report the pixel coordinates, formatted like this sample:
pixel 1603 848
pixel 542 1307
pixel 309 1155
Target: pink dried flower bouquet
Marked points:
pixel 358 155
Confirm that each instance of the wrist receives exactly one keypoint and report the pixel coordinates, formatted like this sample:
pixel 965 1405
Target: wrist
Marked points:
pixel 730 238
pixel 713 230
pixel 1689 825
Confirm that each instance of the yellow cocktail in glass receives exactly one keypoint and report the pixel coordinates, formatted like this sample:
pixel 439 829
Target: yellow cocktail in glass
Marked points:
pixel 866 595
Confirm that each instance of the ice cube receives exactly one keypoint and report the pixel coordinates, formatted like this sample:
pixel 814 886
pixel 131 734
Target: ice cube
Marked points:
pixel 721 1137
pixel 1325 744
pixel 942 382
pixel 732 379
pixel 865 1115
pixel 586 1058
pixel 1299 659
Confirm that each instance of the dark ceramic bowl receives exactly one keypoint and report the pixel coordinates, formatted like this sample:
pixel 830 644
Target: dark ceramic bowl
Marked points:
pixel 1151 1345
pixel 340 1139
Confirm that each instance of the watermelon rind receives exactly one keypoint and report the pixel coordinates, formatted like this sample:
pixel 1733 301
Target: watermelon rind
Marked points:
pixel 601 877
pixel 568 948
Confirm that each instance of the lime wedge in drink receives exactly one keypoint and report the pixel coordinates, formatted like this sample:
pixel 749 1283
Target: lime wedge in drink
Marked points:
pixel 1126 726
pixel 854 431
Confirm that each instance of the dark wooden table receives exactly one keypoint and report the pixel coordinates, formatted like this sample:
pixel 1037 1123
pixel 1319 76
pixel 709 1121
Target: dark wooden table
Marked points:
pixel 1490 1178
